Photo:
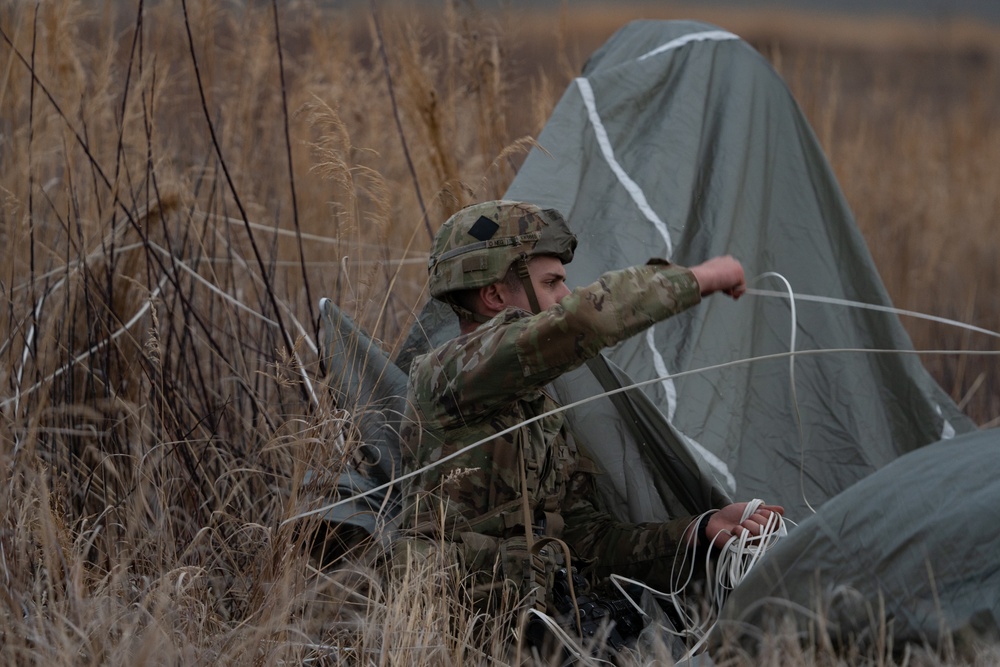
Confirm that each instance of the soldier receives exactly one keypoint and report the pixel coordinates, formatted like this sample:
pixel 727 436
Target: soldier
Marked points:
pixel 500 266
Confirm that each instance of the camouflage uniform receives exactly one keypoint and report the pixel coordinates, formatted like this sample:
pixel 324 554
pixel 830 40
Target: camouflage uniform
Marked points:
pixel 488 381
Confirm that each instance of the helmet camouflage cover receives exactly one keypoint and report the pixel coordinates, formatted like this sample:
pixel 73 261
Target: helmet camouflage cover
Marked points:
pixel 476 246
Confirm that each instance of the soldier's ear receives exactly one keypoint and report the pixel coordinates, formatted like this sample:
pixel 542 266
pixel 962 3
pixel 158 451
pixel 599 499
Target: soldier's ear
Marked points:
pixel 493 299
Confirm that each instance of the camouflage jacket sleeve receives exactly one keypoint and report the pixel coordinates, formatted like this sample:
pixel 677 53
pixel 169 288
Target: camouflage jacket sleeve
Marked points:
pixel 532 351
pixel 656 553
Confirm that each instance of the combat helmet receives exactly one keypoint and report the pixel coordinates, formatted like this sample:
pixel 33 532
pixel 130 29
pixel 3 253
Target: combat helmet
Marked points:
pixel 477 245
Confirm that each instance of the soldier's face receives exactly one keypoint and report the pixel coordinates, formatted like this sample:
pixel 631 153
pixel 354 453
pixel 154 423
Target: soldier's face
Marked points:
pixel 548 275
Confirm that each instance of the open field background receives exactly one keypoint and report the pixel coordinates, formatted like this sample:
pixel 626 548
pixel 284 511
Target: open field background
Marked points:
pixel 178 186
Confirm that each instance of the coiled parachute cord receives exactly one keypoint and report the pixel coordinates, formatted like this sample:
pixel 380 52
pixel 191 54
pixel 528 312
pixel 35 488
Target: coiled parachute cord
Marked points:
pixel 733 561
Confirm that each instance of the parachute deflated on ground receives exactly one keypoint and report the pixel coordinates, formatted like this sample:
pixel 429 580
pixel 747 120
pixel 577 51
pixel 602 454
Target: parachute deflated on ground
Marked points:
pixel 911 552
pixel 680 141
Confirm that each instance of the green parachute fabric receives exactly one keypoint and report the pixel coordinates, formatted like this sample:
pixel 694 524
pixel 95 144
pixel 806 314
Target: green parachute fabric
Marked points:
pixel 364 381
pixel 916 544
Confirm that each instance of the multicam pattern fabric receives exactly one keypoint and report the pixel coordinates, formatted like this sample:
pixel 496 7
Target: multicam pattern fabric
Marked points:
pixel 477 245
pixel 483 386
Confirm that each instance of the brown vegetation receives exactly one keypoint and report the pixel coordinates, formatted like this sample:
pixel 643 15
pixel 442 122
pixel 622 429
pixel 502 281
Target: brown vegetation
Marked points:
pixel 177 192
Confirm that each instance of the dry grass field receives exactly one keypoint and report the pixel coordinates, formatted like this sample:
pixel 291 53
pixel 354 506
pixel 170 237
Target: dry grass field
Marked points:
pixel 179 186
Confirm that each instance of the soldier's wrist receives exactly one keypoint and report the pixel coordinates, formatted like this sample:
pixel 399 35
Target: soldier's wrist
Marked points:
pixel 703 539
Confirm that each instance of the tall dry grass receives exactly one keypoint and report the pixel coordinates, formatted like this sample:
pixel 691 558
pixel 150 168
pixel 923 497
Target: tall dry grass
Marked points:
pixel 181 181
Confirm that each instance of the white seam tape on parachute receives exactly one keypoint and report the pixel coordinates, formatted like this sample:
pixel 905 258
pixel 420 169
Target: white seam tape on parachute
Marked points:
pixel 661 370
pixel 712 460
pixel 708 35
pixel 633 189
pixel 671 389
pixel 639 197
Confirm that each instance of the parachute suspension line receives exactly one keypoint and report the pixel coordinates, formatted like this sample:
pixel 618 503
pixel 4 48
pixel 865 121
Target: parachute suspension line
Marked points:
pixel 947 429
pixel 176 263
pixel 735 559
pixel 636 385
pixel 741 554
pixel 792 297
pixel 791 382
pixel 571 644
pixel 871 306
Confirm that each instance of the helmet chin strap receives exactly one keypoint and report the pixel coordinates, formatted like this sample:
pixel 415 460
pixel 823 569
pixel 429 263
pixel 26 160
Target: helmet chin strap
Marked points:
pixel 521 265
pixel 466 314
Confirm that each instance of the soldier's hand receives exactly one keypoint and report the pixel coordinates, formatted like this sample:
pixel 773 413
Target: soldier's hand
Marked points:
pixel 721 274
pixel 726 522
